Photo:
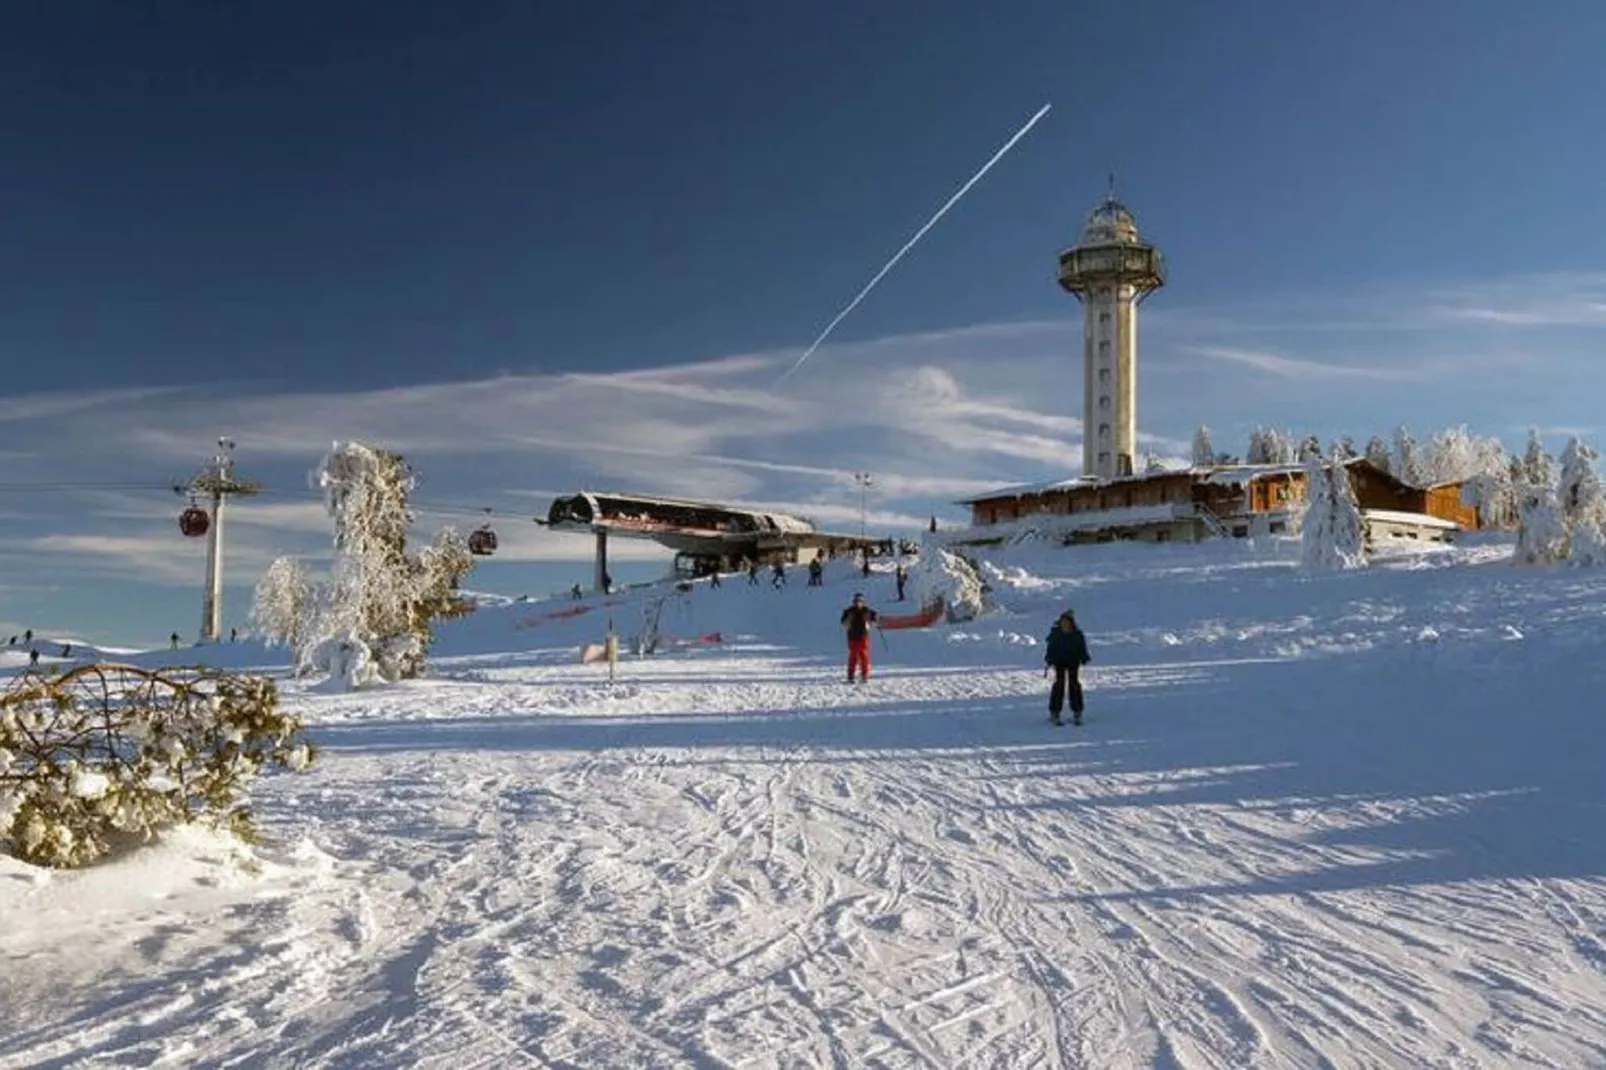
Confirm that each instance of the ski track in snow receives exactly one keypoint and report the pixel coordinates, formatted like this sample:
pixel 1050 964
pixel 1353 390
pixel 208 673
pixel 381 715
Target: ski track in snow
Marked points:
pixel 735 860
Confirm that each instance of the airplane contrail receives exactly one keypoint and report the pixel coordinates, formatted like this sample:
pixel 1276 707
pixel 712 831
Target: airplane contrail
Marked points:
pixel 910 244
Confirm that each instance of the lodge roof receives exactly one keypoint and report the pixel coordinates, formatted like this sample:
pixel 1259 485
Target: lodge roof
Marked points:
pixel 1227 473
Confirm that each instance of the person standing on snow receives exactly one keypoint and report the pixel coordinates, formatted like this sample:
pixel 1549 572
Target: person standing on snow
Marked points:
pixel 1066 654
pixel 856 619
pixel 902 576
pixel 816 572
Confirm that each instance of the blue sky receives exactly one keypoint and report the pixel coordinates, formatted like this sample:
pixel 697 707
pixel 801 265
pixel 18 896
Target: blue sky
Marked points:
pixel 544 246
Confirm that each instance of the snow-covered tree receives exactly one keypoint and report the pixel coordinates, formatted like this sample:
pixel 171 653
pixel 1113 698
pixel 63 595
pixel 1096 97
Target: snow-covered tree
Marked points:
pixel 1204 451
pixel 1267 445
pixel 284 598
pixel 1405 464
pixel 1449 457
pixel 1578 488
pixel 1488 487
pixel 372 617
pixel 1309 446
pixel 1538 467
pixel 1346 448
pixel 1541 528
pixel 1377 451
pixel 1333 533
pixel 104 752
pixel 1582 501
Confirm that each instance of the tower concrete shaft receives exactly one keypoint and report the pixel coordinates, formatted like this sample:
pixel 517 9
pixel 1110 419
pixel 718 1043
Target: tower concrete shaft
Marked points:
pixel 1111 272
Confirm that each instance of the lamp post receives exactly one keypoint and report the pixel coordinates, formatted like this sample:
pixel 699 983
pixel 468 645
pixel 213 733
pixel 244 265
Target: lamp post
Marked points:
pixel 865 483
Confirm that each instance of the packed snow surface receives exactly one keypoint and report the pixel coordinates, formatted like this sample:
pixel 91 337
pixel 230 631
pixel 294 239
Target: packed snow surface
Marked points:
pixel 1349 819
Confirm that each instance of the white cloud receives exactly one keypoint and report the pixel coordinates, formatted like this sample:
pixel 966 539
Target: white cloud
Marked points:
pixel 1295 368
pixel 1536 301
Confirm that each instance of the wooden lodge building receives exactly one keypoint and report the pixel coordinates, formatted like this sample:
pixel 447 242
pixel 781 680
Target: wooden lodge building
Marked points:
pixel 1190 504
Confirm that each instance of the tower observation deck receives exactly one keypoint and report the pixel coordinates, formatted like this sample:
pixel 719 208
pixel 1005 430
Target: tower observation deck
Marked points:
pixel 1111 271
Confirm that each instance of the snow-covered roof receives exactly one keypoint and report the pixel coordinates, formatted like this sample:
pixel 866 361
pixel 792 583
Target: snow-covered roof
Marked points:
pixel 1421 520
pixel 1230 473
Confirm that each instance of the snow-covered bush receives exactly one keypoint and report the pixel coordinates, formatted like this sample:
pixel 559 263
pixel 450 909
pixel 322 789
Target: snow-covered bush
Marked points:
pixel 1332 534
pixel 284 599
pixel 1204 451
pixel 108 750
pixel 941 573
pixel 370 620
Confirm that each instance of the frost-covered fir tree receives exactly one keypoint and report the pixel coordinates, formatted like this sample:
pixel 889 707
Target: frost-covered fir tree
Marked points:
pixel 372 617
pixel 1578 488
pixel 1267 445
pixel 1346 448
pixel 284 600
pixel 1405 464
pixel 1538 467
pixel 1541 528
pixel 1309 446
pixel 1377 451
pixel 1488 487
pixel 1204 451
pixel 1448 457
pixel 1333 533
pixel 1582 501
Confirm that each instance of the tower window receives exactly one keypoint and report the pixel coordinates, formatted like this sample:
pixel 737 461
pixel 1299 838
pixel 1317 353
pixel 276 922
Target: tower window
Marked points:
pixel 1104 319
pixel 1104 459
pixel 1104 430
pixel 1104 402
pixel 1104 375
pixel 1104 348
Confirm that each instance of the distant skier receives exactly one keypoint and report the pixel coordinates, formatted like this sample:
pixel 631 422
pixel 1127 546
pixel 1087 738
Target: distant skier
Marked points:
pixel 864 565
pixel 856 619
pixel 576 593
pixel 607 583
pixel 778 575
pixel 1066 654
pixel 816 572
pixel 902 577
pixel 934 525
pixel 172 640
pixel 27 637
pixel 752 572
pixel 713 578
pixel 66 650
pixel 234 635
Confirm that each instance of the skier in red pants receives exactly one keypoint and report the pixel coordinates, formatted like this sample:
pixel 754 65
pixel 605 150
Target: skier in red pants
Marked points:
pixel 857 619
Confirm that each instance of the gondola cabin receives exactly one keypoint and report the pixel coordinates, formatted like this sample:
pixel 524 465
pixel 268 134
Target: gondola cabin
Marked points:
pixel 194 522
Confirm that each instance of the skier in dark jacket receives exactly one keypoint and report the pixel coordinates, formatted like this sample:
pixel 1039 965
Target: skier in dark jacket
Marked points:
pixel 856 621
pixel 1066 654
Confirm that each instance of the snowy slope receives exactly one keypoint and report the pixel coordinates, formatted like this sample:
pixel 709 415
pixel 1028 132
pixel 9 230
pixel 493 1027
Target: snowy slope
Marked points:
pixel 1337 820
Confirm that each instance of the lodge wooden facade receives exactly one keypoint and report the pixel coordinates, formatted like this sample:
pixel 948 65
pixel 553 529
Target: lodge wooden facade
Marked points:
pixel 1239 500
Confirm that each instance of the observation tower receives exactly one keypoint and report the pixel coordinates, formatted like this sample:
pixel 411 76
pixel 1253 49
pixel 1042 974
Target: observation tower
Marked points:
pixel 1111 272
